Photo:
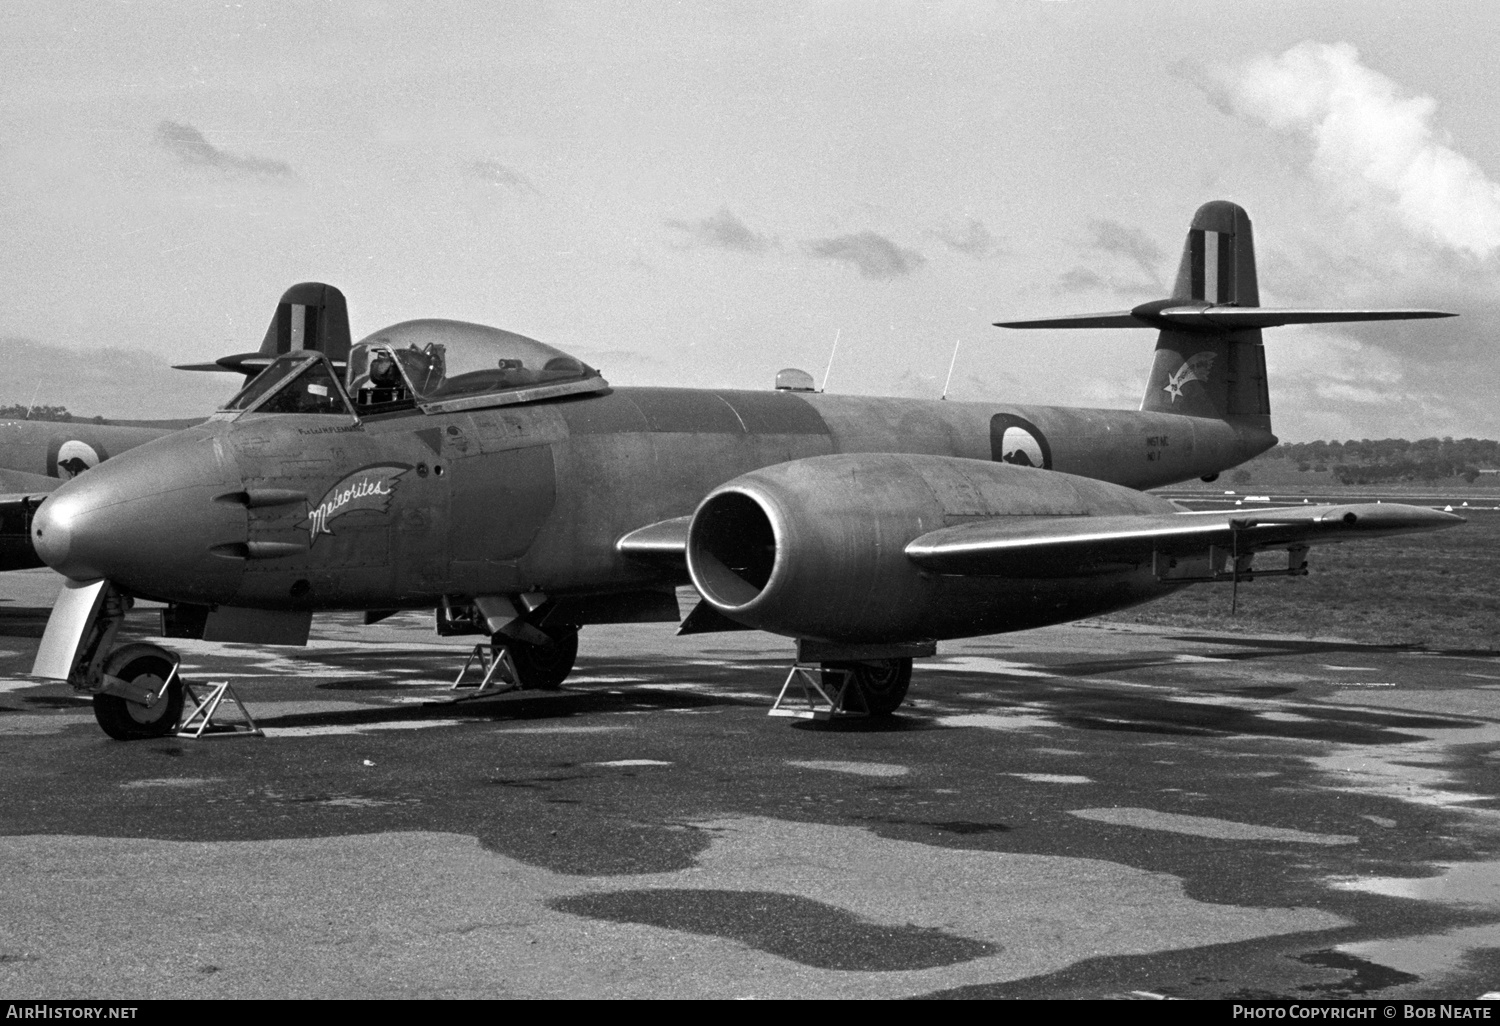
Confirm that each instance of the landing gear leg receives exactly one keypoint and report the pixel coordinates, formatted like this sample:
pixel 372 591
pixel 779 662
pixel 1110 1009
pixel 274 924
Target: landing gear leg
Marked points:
pixel 542 667
pixel 882 683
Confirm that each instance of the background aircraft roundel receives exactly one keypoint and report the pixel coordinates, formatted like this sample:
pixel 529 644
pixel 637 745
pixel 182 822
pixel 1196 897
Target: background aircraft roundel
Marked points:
pixel 73 457
pixel 1017 440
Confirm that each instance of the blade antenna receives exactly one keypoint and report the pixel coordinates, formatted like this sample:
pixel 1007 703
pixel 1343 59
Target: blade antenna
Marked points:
pixel 951 364
pixel 832 353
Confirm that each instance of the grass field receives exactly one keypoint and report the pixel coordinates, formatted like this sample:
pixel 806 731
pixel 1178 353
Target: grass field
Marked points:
pixel 1436 591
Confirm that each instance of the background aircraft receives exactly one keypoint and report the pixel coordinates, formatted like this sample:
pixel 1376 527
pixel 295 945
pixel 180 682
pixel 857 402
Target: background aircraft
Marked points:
pixel 508 486
pixel 38 455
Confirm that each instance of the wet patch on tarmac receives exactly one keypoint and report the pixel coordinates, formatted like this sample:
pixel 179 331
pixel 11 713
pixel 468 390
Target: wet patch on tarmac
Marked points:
pixel 1205 826
pixel 978 839
pixel 786 925
pixel 860 769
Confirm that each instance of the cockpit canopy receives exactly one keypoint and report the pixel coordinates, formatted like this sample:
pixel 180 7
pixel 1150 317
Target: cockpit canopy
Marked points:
pixel 437 365
pixel 452 365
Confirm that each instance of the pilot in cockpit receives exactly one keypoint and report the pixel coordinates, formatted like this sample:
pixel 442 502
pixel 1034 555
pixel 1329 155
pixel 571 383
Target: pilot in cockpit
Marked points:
pixel 383 383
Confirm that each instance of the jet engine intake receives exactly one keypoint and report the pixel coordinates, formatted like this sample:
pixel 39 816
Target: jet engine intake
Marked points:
pixel 815 548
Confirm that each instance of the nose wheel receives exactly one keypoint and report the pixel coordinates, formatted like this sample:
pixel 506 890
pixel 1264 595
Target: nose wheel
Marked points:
pixel 153 671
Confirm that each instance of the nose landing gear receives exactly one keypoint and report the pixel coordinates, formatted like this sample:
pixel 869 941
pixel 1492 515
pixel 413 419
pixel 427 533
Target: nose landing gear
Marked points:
pixel 142 696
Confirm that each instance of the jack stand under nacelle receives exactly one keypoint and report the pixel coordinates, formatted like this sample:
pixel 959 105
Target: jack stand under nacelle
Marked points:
pixel 207 700
pixel 842 680
pixel 822 703
pixel 491 664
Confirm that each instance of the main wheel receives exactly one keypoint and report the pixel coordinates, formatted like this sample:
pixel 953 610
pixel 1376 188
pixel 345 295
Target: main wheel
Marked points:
pixel 881 682
pixel 131 721
pixel 542 667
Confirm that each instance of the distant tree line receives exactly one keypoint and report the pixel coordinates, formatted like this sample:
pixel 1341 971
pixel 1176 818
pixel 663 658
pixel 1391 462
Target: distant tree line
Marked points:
pixel 1393 459
pixel 16 411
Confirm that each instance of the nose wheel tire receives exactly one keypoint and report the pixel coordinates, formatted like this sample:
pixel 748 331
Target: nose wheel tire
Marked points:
pixel 882 683
pixel 542 667
pixel 131 721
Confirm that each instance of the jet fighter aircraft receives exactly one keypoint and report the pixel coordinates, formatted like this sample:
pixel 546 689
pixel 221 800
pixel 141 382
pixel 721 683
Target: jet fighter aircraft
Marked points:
pixel 509 487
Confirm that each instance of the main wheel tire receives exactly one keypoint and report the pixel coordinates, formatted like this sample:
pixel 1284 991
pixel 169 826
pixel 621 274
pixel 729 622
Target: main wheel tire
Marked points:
pixel 131 721
pixel 542 667
pixel 882 683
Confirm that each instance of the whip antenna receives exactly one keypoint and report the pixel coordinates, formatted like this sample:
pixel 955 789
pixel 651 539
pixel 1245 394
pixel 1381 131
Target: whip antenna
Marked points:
pixel 831 355
pixel 951 364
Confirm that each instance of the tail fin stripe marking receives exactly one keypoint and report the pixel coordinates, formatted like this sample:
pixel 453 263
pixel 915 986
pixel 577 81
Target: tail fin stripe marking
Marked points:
pixel 1195 261
pixel 1226 289
pixel 1211 267
pixel 298 327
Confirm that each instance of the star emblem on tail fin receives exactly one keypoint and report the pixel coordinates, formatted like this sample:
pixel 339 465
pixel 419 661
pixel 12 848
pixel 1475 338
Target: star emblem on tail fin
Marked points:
pixel 1195 368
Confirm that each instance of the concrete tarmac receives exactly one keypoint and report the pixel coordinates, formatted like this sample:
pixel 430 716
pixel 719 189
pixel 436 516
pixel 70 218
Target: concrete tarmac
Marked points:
pixel 1081 811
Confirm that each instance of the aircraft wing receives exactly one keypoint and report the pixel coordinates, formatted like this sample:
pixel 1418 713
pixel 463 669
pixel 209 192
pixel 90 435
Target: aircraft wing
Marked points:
pixel 663 543
pixel 17 484
pixel 1064 546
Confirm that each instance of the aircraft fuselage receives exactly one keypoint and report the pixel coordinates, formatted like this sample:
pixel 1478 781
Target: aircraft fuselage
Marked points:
pixel 287 511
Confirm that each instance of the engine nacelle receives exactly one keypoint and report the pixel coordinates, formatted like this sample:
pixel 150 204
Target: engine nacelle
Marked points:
pixel 815 548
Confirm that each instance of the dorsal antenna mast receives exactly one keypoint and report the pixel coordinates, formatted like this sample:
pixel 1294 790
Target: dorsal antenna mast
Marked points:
pixel 951 364
pixel 834 352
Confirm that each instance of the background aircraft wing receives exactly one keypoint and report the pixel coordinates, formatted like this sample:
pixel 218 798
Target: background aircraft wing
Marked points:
pixel 17 484
pixel 1066 546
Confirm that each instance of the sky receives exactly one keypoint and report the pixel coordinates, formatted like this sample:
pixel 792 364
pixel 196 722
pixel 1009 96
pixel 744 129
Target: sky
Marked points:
pixel 691 194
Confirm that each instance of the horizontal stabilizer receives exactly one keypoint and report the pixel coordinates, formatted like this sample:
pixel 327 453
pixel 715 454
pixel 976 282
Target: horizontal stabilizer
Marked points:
pixel 240 363
pixel 1217 318
pixel 1062 546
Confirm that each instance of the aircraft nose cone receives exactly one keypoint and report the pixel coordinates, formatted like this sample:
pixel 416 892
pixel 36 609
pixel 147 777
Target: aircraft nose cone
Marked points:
pixel 149 521
pixel 52 535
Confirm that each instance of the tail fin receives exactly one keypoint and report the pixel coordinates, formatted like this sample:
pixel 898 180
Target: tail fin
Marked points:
pixel 311 315
pixel 1218 372
pixel 1209 359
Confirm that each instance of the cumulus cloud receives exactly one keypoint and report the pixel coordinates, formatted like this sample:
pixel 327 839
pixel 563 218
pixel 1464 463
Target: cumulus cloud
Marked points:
pixel 1080 279
pixel 1383 209
pixel 974 240
pixel 874 255
pixel 1132 244
pixel 1112 245
pixel 492 172
pixel 188 145
pixel 1369 138
pixel 723 231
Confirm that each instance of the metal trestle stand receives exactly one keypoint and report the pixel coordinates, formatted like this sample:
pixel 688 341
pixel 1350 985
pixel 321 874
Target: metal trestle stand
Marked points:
pixel 207 700
pixel 492 666
pixel 818 701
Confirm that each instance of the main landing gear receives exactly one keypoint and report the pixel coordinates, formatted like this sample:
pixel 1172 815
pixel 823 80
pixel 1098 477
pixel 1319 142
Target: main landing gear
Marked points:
pixel 540 667
pixel 514 664
pixel 878 684
pixel 845 687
